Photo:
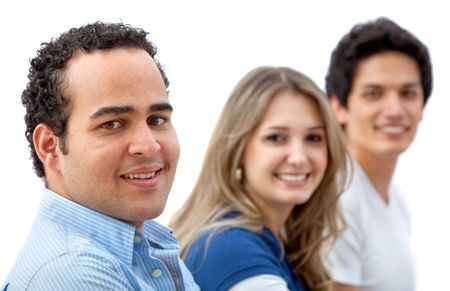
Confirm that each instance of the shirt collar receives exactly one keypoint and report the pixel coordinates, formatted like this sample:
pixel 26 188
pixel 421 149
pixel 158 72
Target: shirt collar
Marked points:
pixel 159 236
pixel 114 235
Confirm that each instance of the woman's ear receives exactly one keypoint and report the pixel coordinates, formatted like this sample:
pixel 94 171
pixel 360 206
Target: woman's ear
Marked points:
pixel 46 144
pixel 339 110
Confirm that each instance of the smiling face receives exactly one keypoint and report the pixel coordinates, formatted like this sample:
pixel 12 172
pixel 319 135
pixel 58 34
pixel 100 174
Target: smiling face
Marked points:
pixel 385 106
pixel 121 150
pixel 286 156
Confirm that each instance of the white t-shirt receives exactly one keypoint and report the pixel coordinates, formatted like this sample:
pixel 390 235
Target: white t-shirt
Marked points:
pixel 374 252
pixel 261 283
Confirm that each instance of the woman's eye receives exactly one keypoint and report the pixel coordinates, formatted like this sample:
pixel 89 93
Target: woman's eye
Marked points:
pixel 314 137
pixel 276 138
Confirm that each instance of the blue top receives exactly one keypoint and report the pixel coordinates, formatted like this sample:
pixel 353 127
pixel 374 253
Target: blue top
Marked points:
pixel 72 247
pixel 236 254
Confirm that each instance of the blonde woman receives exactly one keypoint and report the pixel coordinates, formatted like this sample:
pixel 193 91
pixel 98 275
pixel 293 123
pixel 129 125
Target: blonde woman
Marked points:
pixel 265 201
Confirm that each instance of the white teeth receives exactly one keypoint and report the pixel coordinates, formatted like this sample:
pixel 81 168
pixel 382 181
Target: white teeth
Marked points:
pixel 292 178
pixel 393 129
pixel 140 176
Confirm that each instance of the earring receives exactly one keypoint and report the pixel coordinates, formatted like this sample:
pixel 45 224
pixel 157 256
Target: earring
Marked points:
pixel 238 174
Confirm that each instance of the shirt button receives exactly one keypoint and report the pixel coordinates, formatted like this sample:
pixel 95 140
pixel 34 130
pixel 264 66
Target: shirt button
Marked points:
pixel 137 239
pixel 156 273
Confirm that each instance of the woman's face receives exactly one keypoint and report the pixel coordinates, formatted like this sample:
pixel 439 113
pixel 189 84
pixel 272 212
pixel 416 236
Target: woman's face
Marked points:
pixel 286 156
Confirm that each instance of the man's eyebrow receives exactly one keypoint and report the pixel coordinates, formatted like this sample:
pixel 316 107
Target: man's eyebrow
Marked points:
pixel 160 107
pixel 372 85
pixel 116 110
pixel 377 85
pixel 412 84
pixel 112 110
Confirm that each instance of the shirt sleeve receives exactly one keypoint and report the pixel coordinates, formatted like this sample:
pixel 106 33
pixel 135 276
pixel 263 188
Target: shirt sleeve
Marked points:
pixel 346 255
pixel 261 283
pixel 228 258
pixel 81 273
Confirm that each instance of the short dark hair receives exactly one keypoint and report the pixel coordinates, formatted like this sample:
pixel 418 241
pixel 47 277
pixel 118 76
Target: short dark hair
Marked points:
pixel 44 97
pixel 367 39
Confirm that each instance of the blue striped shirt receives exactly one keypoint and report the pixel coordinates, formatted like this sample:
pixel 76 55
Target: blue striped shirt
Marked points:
pixel 72 247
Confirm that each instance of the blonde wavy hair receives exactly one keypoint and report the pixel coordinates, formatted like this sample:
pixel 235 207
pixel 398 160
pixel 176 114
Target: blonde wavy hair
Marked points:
pixel 218 191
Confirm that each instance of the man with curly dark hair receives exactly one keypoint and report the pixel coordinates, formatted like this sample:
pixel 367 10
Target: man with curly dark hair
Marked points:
pixel 378 81
pixel 99 127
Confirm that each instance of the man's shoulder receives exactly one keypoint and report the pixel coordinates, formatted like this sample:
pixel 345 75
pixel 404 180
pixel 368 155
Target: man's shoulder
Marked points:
pixel 358 191
pixel 81 271
pixel 53 239
pixel 353 197
pixel 355 205
pixel 53 249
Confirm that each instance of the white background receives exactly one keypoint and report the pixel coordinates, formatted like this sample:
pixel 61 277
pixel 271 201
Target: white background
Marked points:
pixel 206 47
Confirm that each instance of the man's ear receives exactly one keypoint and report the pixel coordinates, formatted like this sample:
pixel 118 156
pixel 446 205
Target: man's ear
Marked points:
pixel 339 110
pixel 46 144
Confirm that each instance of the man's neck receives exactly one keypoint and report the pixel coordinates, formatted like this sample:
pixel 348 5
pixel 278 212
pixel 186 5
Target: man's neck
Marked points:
pixel 379 170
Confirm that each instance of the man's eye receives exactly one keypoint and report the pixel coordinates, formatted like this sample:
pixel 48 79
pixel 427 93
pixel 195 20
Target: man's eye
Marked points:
pixel 409 94
pixel 372 93
pixel 155 121
pixel 114 124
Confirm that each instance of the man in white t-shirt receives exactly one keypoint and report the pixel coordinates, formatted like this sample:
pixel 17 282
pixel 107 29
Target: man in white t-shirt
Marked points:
pixel 378 82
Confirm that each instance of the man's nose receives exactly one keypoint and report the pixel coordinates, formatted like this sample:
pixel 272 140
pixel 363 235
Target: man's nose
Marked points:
pixel 143 142
pixel 393 105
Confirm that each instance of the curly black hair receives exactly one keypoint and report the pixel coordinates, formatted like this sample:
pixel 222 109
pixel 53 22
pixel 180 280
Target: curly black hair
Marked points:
pixel 367 39
pixel 44 97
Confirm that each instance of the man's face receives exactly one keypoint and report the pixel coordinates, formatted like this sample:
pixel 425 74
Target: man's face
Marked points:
pixel 121 148
pixel 385 105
